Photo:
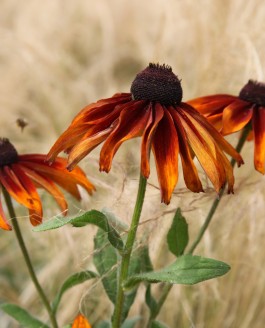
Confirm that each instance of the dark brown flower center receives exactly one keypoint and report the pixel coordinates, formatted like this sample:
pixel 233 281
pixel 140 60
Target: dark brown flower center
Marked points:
pixel 157 83
pixel 253 92
pixel 8 153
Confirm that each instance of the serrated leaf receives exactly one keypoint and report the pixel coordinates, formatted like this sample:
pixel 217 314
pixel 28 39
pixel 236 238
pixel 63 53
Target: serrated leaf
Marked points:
pixel 105 259
pixel 158 324
pixel 178 236
pixel 73 280
pixel 187 270
pixel 130 323
pixel 22 316
pixel 91 217
pixel 150 301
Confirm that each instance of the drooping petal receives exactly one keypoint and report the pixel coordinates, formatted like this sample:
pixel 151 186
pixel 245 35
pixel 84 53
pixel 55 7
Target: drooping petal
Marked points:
pixel 131 124
pixel 205 151
pixel 3 220
pixel 36 210
pixel 190 172
pixel 225 145
pixel 48 185
pixel 14 187
pixel 155 116
pixel 259 137
pixel 236 116
pixel 211 105
pixel 67 140
pixel 81 322
pixel 228 170
pixel 58 173
pixel 165 146
pixel 84 147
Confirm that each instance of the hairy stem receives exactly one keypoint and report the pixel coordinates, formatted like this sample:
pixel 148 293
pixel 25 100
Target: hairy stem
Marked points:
pixel 27 259
pixel 126 256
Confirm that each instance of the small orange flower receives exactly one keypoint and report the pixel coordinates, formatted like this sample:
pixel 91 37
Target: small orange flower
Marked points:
pixel 168 126
pixel 230 114
pixel 81 322
pixel 21 174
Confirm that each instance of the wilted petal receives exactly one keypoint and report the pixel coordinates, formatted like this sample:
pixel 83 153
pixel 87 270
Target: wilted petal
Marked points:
pixel 205 151
pixel 259 137
pixel 155 116
pixel 49 186
pixel 131 124
pixel 165 146
pixel 35 210
pixel 236 116
pixel 190 172
pixel 220 141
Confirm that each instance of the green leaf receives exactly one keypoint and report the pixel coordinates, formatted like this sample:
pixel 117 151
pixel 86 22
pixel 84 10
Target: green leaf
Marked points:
pixel 105 259
pixel 75 279
pixel 158 324
pixel 103 324
pixel 178 236
pixel 22 316
pixel 150 301
pixel 92 217
pixel 130 323
pixel 187 270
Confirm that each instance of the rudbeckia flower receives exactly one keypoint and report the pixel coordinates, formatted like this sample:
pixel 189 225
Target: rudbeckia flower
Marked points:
pixel 20 175
pixel 231 114
pixel 153 110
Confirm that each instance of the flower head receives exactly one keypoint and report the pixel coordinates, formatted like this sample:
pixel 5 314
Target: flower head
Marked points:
pixel 20 175
pixel 231 114
pixel 168 126
pixel 81 322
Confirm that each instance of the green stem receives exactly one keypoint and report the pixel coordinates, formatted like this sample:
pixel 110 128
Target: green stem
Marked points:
pixel 205 225
pixel 27 258
pixel 125 262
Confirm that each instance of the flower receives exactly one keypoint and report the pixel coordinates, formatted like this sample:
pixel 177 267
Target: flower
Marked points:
pixel 168 126
pixel 21 174
pixel 81 322
pixel 230 114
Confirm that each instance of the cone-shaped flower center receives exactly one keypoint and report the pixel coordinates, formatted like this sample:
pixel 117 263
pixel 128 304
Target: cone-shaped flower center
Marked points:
pixel 253 92
pixel 157 83
pixel 8 153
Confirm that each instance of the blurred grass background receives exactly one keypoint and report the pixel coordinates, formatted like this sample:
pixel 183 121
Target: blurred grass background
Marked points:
pixel 56 56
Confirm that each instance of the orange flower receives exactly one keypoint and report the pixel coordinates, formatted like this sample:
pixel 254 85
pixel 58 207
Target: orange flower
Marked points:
pixel 21 174
pixel 81 322
pixel 168 126
pixel 230 114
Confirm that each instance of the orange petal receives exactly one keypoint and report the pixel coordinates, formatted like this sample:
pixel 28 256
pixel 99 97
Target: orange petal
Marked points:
pixel 14 187
pixel 205 151
pixel 81 322
pixel 35 212
pixel 48 185
pixel 58 173
pixel 3 220
pixel 84 147
pixel 211 105
pixel 236 116
pixel 190 172
pixel 165 146
pixel 259 137
pixel 67 140
pixel 225 145
pixel 155 116
pixel 131 124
